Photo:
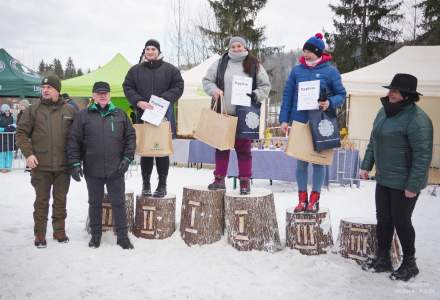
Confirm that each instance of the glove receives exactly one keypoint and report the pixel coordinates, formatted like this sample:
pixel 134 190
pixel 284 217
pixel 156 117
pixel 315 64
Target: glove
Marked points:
pixel 253 97
pixel 123 166
pixel 76 173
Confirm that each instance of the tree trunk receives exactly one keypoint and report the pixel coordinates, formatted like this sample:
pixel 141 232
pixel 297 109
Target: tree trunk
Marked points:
pixel 155 217
pixel 310 233
pixel 357 240
pixel 202 215
pixel 251 221
pixel 107 214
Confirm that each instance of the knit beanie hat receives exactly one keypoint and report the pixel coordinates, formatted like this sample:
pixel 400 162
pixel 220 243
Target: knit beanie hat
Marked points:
pixel 236 39
pixel 4 108
pixel 315 44
pixel 25 103
pixel 53 81
pixel 154 43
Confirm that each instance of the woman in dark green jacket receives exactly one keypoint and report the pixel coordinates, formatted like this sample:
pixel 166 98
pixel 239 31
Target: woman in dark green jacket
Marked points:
pixel 401 148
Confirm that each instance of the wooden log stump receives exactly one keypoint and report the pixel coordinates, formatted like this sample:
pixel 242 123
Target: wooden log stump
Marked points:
pixel 251 221
pixel 357 240
pixel 155 217
pixel 107 213
pixel 202 215
pixel 310 233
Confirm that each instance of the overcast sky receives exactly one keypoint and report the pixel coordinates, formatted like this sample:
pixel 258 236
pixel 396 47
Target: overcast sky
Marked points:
pixel 93 31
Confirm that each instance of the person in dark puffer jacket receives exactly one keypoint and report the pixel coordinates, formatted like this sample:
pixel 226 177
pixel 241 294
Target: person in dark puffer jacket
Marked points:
pixel 153 76
pixel 400 146
pixel 103 138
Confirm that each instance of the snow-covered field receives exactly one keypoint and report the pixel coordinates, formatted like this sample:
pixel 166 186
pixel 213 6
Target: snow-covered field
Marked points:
pixel 169 269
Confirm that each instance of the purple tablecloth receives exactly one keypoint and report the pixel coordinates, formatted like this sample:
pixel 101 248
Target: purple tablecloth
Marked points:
pixel 276 165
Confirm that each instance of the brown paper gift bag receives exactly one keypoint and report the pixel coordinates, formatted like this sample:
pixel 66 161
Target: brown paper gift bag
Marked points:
pixel 153 140
pixel 300 146
pixel 216 129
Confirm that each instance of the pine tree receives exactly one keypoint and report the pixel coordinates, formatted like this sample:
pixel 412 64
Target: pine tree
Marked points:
pixel 42 68
pixel 79 72
pixel 365 31
pixel 58 68
pixel 236 17
pixel 431 24
pixel 70 70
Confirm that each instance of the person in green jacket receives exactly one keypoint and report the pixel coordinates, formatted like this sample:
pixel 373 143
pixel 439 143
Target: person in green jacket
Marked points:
pixel 401 148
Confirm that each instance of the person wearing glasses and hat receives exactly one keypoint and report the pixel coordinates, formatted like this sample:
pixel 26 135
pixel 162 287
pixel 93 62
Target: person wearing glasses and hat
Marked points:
pixel 103 138
pixel 401 149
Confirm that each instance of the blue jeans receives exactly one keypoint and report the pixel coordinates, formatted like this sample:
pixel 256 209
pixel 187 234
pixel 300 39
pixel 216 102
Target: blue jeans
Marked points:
pixel 302 176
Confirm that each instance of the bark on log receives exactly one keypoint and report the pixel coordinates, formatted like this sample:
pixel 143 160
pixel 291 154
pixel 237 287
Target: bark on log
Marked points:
pixel 107 214
pixel 155 217
pixel 251 221
pixel 357 240
pixel 310 233
pixel 202 215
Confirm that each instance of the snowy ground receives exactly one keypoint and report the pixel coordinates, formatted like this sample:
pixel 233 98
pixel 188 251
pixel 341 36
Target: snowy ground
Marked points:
pixel 168 269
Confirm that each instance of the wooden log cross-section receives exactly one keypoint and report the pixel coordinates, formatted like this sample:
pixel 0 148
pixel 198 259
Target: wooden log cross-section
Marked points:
pixel 251 221
pixel 155 217
pixel 107 213
pixel 202 215
pixel 357 240
pixel 310 233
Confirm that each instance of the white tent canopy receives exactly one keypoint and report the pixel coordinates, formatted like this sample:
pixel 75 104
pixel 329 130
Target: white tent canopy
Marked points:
pixel 420 61
pixel 364 88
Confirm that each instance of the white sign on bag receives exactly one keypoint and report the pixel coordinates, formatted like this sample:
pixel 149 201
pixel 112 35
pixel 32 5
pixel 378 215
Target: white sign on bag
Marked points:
pixel 241 86
pixel 155 116
pixel 308 95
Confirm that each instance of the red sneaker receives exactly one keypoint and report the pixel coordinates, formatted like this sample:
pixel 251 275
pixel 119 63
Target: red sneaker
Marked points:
pixel 302 204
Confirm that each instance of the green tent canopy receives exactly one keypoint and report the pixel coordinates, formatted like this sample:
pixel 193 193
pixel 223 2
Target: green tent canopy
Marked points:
pixel 17 80
pixel 113 72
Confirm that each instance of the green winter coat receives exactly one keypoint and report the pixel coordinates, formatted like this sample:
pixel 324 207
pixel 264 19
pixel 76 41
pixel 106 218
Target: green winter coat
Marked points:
pixel 42 131
pixel 401 148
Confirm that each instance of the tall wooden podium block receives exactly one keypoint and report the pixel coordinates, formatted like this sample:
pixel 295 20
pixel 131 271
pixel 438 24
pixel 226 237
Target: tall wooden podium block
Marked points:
pixel 202 215
pixel 357 240
pixel 310 233
pixel 155 217
pixel 251 221
pixel 107 213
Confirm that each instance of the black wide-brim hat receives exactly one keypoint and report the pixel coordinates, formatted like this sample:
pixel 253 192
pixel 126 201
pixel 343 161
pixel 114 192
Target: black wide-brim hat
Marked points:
pixel 406 83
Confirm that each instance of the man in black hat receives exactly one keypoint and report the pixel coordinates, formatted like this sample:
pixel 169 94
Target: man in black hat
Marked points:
pixel 401 148
pixel 153 76
pixel 103 138
pixel 41 136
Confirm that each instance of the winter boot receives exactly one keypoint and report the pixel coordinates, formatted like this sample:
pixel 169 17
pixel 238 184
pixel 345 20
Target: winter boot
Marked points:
pixel 407 269
pixel 245 186
pixel 95 241
pixel 161 190
pixel 313 205
pixel 61 237
pixel 302 204
pixel 40 241
pixel 380 263
pixel 146 186
pixel 218 184
pixel 124 242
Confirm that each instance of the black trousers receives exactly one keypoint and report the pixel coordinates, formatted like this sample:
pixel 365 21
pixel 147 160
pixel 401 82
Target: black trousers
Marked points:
pixel 162 165
pixel 394 210
pixel 116 194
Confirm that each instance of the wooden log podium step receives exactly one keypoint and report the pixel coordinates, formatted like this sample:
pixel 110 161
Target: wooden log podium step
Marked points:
pixel 107 213
pixel 251 221
pixel 155 217
pixel 310 233
pixel 357 240
pixel 202 215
